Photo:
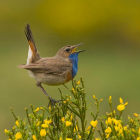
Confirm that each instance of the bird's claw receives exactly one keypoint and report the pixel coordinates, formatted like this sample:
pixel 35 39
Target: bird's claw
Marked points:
pixel 53 102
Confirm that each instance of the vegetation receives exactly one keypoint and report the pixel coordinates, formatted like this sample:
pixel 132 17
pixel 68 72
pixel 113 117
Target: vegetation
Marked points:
pixel 67 120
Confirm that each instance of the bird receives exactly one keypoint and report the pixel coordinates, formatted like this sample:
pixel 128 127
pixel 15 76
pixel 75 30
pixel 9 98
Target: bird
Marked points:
pixel 53 71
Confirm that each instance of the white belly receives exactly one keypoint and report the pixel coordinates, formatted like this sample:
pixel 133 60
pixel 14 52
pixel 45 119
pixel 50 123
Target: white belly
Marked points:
pixel 48 79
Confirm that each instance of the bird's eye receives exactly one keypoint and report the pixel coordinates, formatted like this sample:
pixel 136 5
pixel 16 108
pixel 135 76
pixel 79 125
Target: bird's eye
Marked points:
pixel 67 49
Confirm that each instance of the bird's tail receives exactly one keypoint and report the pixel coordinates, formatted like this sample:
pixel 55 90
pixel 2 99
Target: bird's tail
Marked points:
pixel 33 54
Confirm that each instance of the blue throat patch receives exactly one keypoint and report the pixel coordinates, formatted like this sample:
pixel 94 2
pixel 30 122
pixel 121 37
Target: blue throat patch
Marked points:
pixel 74 58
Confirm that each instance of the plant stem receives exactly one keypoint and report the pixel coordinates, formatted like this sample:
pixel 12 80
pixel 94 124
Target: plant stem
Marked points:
pixel 28 116
pixel 13 114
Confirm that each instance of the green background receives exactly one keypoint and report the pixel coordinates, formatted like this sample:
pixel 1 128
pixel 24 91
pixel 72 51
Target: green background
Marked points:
pixel 110 32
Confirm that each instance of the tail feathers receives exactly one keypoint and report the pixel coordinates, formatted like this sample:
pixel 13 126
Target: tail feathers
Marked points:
pixel 33 54
pixel 30 38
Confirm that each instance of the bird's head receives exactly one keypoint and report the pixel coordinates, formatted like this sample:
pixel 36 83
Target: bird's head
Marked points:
pixel 68 50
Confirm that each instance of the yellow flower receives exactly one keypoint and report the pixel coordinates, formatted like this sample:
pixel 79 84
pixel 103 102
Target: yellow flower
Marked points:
pixel 49 107
pixel 119 125
pixel 73 90
pixel 106 122
pixel 63 119
pixel 34 137
pixel 14 127
pixel 71 117
pixel 101 100
pixel 116 121
pixel 135 114
pixel 131 120
pixel 76 128
pixel 41 108
pixel 116 128
pixel 37 109
pixel 47 121
pixel 94 123
pixel 125 128
pixel 109 120
pixel 107 135
pixel 38 124
pixel 64 102
pixel 43 132
pixel 139 130
pixel 18 135
pixel 60 138
pixel 69 139
pixel 78 83
pixel 97 139
pixel 133 130
pixel 138 138
pixel 17 123
pixel 121 101
pixel 110 97
pixel 108 130
pixel 45 125
pixel 94 97
pixel 88 128
pixel 120 131
pixel 121 107
pixel 114 111
pixel 79 136
pixel 6 131
pixel 68 123
pixel 126 104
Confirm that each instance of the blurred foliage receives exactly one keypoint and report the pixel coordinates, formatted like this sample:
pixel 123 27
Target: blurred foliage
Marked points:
pixel 71 18
pixel 109 30
pixel 67 120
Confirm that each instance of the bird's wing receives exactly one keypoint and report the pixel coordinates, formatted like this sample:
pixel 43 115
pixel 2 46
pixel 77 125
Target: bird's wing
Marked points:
pixel 49 66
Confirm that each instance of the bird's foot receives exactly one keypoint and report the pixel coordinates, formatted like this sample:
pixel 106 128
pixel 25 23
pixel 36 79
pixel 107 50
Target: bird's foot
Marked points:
pixel 53 102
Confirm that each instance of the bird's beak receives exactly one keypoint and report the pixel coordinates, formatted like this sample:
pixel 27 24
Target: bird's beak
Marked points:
pixel 80 51
pixel 74 49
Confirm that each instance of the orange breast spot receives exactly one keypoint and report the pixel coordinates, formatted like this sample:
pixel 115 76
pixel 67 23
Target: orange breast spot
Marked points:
pixel 68 77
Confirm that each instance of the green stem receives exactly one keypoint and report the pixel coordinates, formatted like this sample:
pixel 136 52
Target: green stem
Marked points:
pixel 13 114
pixel 100 134
pixel 120 115
pixel 28 116
pixel 75 112
pixel 66 87
pixel 111 109
pixel 82 82
pixel 103 129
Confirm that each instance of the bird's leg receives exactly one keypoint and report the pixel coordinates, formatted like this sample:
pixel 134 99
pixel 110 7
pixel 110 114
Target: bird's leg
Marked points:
pixel 39 85
pixel 52 101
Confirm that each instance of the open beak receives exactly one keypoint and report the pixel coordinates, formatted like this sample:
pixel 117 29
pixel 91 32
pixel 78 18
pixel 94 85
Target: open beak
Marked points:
pixel 80 51
pixel 74 49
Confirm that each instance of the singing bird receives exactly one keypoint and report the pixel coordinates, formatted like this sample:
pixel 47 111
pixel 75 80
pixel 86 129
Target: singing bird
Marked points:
pixel 53 71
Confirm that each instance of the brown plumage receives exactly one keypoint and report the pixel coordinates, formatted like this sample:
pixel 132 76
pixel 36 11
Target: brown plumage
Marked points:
pixel 55 70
